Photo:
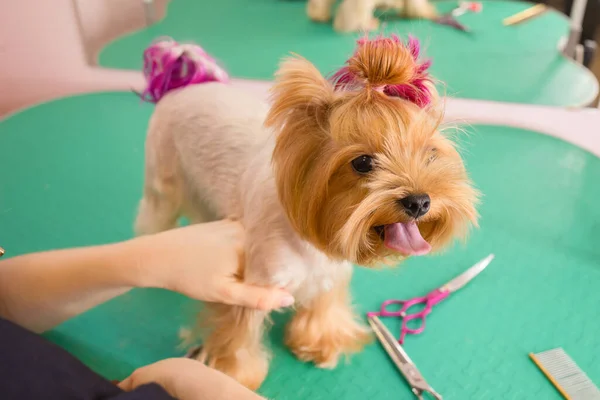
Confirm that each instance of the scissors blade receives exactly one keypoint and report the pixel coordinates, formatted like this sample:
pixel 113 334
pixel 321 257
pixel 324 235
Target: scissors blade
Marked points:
pixel 465 277
pixel 389 342
pixel 402 360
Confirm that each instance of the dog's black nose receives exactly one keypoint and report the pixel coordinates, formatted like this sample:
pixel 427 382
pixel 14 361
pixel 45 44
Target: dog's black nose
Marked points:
pixel 416 205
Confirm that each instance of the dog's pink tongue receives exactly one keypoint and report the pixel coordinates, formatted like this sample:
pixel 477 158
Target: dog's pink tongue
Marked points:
pixel 406 239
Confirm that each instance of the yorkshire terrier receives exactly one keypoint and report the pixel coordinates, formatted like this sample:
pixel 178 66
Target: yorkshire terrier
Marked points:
pixel 358 15
pixel 350 169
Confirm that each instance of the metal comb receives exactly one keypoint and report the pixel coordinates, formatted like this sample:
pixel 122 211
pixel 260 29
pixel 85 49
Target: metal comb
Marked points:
pixel 565 375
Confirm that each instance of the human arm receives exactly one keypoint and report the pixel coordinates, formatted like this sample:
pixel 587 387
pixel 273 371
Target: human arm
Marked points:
pixel 39 291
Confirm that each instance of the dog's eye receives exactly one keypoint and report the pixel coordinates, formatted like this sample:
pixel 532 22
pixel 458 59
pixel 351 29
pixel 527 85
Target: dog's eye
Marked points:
pixel 363 164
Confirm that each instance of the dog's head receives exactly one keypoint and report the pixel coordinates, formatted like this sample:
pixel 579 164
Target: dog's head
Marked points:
pixel 362 169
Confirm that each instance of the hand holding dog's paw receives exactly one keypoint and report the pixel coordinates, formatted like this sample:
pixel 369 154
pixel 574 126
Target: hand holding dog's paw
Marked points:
pixel 203 262
pixel 249 370
pixel 187 379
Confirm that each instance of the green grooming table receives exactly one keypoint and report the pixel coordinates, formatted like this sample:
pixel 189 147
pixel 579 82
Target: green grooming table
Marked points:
pixel 71 174
pixel 514 64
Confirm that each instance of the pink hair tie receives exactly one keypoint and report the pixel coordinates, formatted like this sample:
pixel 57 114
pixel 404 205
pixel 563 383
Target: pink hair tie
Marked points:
pixel 169 65
pixel 416 90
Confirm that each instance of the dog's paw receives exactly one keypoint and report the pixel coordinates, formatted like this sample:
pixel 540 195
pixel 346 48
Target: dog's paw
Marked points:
pixel 248 369
pixel 374 24
pixel 343 24
pixel 420 9
pixel 319 11
pixel 325 344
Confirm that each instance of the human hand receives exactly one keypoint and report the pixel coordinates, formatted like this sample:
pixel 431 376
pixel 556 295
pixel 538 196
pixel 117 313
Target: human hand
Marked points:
pixel 202 261
pixel 187 379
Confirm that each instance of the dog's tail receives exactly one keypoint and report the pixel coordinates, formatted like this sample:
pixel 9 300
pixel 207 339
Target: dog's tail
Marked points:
pixel 169 65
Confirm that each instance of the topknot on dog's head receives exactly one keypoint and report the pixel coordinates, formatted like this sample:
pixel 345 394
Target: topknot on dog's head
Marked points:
pixel 389 66
pixel 379 62
pixel 381 71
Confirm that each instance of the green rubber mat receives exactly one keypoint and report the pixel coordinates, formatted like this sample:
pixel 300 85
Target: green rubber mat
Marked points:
pixel 515 64
pixel 71 174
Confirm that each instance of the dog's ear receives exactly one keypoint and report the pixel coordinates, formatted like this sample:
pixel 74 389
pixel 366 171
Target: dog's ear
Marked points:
pixel 301 102
pixel 299 90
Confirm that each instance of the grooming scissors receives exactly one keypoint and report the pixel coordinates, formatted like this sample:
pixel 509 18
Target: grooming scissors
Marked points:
pixel 450 18
pixel 403 362
pixel 428 300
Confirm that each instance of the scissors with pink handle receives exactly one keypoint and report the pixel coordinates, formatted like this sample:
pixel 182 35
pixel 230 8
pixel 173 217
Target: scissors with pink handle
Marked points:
pixel 428 301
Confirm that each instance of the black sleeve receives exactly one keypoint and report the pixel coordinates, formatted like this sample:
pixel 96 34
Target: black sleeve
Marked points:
pixel 146 392
pixel 32 368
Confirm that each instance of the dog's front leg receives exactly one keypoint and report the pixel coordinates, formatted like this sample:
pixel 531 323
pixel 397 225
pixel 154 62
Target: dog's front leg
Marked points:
pixel 327 328
pixel 419 9
pixel 233 338
pixel 234 343
pixel 356 16
pixel 319 10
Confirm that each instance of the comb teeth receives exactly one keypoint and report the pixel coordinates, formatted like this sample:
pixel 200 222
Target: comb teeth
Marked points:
pixel 568 378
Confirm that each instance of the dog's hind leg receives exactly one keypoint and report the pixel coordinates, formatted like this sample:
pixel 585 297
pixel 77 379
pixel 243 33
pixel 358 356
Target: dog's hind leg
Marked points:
pixel 162 201
pixel 234 343
pixel 198 211
pixel 158 211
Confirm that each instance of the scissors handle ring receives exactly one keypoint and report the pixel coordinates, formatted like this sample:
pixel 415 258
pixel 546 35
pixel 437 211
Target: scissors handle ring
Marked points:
pixel 429 300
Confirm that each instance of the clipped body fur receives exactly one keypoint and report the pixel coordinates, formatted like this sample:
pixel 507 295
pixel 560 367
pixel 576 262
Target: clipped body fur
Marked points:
pixel 208 155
